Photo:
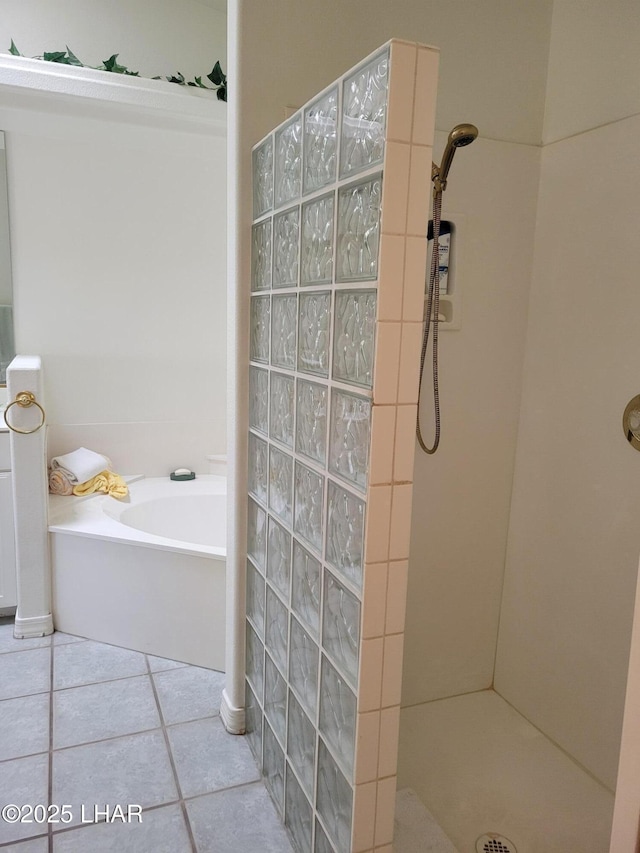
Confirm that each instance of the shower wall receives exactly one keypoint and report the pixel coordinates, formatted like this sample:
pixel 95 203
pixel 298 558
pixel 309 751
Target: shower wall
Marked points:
pixel 462 493
pixel 340 204
pixel 574 534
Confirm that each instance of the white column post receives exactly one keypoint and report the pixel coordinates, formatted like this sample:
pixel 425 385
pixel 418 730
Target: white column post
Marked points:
pixel 232 709
pixel 30 499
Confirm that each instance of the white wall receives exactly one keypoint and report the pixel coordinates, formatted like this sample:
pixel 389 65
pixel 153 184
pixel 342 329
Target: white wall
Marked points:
pixel 491 52
pixel 119 284
pixel 594 65
pixel 5 248
pixel 119 254
pixel 574 535
pixel 154 37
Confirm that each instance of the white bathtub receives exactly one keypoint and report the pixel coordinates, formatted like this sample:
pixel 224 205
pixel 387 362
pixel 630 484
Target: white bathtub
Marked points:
pixel 147 573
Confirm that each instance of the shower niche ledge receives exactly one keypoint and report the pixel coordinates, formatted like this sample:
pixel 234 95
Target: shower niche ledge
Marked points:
pixel 103 95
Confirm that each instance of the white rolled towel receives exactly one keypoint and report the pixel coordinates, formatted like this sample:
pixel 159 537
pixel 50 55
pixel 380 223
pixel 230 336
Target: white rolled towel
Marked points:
pixel 80 465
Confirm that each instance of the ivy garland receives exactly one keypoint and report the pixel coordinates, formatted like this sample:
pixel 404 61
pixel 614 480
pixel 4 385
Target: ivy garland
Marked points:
pixel 67 57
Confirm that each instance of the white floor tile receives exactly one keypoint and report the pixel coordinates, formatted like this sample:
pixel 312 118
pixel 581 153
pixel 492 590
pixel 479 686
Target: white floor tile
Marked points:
pixel 23 781
pixel 24 726
pixel 162 830
pixel 133 769
pixel 208 758
pixel 240 820
pixel 24 673
pixel 99 711
pixel 89 662
pixel 189 693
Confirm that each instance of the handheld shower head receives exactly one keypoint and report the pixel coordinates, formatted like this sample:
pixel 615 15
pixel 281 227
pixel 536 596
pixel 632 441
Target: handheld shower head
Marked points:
pixel 461 135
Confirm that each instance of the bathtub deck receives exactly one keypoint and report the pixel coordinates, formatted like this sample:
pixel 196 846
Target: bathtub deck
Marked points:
pixel 125 728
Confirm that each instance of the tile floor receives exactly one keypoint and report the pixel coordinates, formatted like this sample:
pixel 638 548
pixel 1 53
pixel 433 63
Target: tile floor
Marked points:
pixel 84 723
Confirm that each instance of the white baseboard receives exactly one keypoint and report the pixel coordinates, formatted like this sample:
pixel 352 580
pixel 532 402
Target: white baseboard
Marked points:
pixel 33 626
pixel 233 718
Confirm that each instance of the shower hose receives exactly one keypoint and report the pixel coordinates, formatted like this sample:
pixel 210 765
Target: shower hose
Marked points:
pixel 433 309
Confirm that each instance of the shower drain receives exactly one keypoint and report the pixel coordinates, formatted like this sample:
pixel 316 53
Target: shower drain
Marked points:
pixel 491 842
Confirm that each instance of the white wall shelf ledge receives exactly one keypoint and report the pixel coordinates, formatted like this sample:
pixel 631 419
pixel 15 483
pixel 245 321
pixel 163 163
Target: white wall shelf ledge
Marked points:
pixel 105 95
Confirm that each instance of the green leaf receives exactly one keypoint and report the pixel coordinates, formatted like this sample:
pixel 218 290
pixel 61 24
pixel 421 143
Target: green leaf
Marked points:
pixel 72 58
pixel 14 50
pixel 177 78
pixel 114 66
pixel 222 93
pixel 108 64
pixel 56 56
pixel 217 75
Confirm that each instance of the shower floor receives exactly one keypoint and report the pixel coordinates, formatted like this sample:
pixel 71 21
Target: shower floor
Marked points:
pixel 480 767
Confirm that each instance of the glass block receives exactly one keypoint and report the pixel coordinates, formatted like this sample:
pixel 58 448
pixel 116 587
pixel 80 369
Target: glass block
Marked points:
pixel 311 420
pixel 273 766
pixel 341 626
pixel 359 230
pixel 255 598
pixel 301 744
pixel 338 716
pixel 317 241
pixel 283 331
pixel 364 116
pixel 280 484
pixel 308 505
pixel 275 699
pixel 303 667
pixel 258 399
pixel 345 533
pixel 313 343
pixel 255 660
pixel 260 328
pixel 275 631
pixel 261 256
pixel 349 437
pixel 334 800
pixel 322 844
pixel 253 723
pixel 298 815
pixel 288 161
pixel 258 468
pixel 286 244
pixel 263 178
pixel 353 337
pixel 279 558
pixel 305 588
pixel 257 534
pixel 320 142
pixel 281 405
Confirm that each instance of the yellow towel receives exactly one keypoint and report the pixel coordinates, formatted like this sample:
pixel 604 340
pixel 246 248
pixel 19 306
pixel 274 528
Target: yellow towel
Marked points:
pixel 108 482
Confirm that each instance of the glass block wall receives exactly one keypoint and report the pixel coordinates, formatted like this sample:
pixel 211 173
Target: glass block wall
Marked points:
pixel 338 254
